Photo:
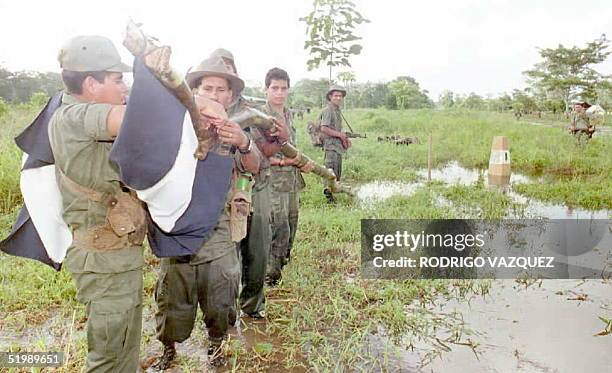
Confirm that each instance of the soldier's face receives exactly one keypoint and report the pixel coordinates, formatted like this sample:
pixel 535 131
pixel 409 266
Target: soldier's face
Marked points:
pixel 277 92
pixel 336 98
pixel 578 108
pixel 216 89
pixel 112 91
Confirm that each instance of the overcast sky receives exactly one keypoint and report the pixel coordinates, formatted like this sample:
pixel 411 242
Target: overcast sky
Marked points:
pixel 480 46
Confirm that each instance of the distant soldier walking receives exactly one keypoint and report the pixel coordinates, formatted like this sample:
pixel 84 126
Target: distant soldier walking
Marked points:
pixel 335 142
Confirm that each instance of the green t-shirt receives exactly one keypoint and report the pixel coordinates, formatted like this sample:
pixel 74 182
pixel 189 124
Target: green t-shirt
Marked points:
pixel 332 118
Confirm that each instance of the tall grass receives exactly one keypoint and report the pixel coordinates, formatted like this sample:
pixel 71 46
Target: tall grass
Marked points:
pixel 323 313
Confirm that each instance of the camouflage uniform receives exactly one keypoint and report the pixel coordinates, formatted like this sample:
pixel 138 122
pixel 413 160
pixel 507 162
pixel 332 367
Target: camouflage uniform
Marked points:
pixel 254 248
pixel 210 278
pixel 108 282
pixel 287 182
pixel 332 117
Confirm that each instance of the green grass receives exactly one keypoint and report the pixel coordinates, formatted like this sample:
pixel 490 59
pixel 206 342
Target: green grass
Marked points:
pixel 322 315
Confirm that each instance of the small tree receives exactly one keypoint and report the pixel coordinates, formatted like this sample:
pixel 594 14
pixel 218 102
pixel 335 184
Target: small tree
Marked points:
pixel 347 78
pixel 408 94
pixel 474 102
pixel 330 28
pixel 38 99
pixel 565 72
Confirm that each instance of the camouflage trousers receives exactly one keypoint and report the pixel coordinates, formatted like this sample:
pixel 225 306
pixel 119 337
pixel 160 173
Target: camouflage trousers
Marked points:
pixel 182 286
pixel 254 249
pixel 285 213
pixel 333 160
pixel 113 304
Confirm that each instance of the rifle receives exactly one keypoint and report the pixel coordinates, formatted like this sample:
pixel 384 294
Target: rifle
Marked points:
pixel 256 118
pixel 353 135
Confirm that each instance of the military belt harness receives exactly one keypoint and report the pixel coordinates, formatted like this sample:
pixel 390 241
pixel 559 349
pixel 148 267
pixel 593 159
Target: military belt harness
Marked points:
pixel 124 225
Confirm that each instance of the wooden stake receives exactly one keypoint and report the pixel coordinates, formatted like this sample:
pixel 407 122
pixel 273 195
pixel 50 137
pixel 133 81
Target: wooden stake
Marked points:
pixel 429 160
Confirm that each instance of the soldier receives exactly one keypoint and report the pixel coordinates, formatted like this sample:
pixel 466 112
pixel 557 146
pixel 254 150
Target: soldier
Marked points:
pixel 105 262
pixel 239 102
pixel 580 123
pixel 255 248
pixel 286 180
pixel 335 142
pixel 211 277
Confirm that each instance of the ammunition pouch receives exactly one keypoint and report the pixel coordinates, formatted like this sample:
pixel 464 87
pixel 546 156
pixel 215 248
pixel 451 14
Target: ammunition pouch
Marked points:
pixel 125 220
pixel 240 205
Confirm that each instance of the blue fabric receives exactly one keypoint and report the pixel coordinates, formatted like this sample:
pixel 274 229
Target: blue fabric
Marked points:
pixel 150 135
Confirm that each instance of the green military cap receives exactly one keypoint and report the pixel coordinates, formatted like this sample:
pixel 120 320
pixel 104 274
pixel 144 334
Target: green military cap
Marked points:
pixel 91 53
pixel 214 66
pixel 334 88
pixel 225 54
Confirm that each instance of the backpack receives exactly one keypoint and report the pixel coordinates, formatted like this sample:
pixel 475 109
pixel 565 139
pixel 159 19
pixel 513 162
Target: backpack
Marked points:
pixel 314 131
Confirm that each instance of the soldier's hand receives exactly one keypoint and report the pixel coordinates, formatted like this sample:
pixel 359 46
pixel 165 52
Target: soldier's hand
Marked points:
pixel 282 131
pixel 230 133
pixel 346 143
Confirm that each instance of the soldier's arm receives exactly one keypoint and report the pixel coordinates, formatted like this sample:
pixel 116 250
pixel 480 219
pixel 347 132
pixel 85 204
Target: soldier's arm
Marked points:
pixel 250 161
pixel 326 130
pixel 326 126
pixel 267 146
pixel 114 119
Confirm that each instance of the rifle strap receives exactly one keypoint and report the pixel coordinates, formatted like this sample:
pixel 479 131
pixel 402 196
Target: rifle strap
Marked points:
pixel 347 123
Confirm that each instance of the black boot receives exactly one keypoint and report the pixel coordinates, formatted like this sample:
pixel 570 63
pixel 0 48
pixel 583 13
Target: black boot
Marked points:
pixel 330 197
pixel 167 357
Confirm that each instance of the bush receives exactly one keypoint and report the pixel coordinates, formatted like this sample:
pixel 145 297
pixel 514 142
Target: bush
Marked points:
pixel 3 107
pixel 38 99
pixel 369 115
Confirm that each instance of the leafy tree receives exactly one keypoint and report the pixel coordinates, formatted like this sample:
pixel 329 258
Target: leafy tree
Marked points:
pixel 474 102
pixel 20 86
pixel 565 72
pixel 522 101
pixel 408 94
pixel 370 95
pixel 309 92
pixel 330 28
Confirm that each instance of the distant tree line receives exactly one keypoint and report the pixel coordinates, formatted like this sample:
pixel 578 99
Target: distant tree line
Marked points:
pixel 20 86
pixel 563 74
pixel 402 93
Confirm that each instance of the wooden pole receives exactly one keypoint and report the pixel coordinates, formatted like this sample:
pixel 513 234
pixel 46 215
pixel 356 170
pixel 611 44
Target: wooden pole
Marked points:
pixel 429 160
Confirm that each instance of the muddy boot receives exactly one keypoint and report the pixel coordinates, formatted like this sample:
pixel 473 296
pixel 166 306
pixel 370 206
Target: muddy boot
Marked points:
pixel 257 315
pixel 330 197
pixel 167 357
pixel 273 277
pixel 216 357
